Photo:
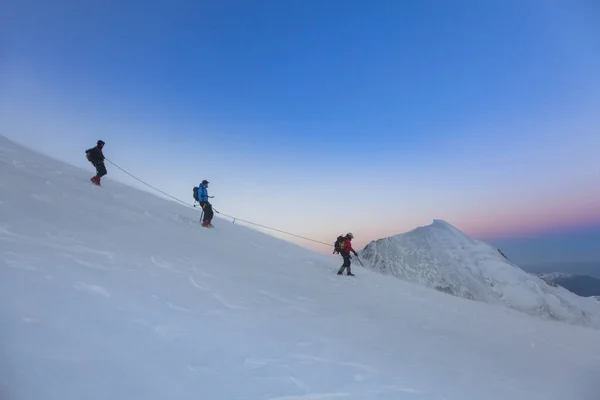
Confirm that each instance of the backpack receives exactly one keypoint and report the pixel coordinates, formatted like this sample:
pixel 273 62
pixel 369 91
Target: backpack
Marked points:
pixel 196 194
pixel 339 244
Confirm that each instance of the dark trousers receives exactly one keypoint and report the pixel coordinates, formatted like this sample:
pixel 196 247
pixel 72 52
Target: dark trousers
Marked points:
pixel 347 263
pixel 208 211
pixel 100 169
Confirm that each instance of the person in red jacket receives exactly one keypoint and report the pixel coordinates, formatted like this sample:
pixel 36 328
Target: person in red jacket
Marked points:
pixel 346 249
pixel 96 157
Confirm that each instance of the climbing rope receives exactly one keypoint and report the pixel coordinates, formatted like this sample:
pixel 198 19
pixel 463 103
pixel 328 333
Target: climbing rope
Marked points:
pixel 218 212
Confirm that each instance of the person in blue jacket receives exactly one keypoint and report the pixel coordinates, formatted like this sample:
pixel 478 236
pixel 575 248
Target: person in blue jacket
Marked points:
pixel 206 206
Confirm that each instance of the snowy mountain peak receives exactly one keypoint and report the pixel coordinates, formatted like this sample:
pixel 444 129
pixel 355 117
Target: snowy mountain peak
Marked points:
pixel 442 224
pixel 439 224
pixel 442 257
pixel 438 231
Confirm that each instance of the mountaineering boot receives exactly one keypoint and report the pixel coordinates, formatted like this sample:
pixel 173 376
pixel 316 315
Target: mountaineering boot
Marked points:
pixel 95 180
pixel 349 272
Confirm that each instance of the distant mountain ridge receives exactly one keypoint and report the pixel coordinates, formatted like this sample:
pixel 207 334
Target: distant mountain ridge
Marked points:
pixel 591 268
pixel 581 285
pixel 442 257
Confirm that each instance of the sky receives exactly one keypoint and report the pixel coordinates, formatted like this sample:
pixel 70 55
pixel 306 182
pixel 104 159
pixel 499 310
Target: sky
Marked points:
pixel 323 117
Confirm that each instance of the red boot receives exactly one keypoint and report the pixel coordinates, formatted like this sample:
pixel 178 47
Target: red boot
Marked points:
pixel 96 180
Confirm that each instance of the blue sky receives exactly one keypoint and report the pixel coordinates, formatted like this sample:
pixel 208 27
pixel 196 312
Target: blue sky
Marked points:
pixel 321 117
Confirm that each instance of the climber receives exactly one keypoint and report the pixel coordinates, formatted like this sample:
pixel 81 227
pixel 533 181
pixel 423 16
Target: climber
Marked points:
pixel 345 247
pixel 96 157
pixel 206 206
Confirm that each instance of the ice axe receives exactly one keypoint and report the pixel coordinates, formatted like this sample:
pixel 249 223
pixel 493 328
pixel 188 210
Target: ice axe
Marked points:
pixel 361 264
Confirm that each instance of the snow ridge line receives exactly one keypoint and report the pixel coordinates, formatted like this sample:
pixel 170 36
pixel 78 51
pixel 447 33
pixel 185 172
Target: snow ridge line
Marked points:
pixel 215 210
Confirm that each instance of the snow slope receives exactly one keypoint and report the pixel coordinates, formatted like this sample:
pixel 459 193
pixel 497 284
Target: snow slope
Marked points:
pixel 442 257
pixel 112 293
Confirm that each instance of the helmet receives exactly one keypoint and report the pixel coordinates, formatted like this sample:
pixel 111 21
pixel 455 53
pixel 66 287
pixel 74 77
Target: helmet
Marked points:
pixel 204 182
pixel 100 143
pixel 350 235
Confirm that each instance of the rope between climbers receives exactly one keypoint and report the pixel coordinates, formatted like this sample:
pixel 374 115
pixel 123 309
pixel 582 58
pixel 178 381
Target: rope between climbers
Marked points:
pixel 149 185
pixel 225 215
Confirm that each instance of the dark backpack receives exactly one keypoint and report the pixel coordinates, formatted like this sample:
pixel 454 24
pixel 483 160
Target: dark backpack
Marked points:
pixel 339 244
pixel 196 194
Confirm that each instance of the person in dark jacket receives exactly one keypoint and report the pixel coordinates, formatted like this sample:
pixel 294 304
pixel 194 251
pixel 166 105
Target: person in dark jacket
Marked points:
pixel 96 157
pixel 346 249
pixel 206 206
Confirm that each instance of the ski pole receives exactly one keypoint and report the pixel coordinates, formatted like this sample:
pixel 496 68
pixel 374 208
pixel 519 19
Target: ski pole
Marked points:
pixel 358 258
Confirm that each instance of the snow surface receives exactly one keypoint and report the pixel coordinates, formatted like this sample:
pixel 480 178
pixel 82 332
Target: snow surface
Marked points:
pixel 112 293
pixel 442 257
